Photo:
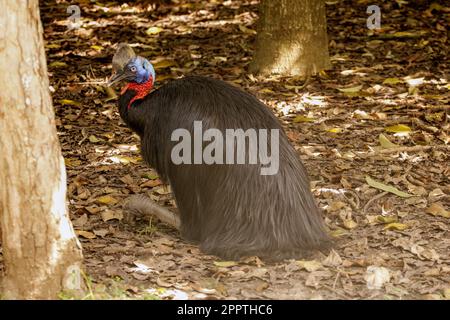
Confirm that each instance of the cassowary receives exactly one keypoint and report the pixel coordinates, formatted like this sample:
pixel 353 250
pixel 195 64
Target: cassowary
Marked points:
pixel 230 210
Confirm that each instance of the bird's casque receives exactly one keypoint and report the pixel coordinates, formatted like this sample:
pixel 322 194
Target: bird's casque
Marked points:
pixel 136 70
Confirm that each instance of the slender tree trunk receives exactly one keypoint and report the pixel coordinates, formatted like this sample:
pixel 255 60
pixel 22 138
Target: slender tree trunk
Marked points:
pixel 292 38
pixel 42 255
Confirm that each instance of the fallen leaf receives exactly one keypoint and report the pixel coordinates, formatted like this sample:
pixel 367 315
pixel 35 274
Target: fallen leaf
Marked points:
pixel 424 253
pixel 163 190
pixel 405 34
pixel 58 64
pixel 398 128
pixel 336 206
pixel 151 183
pixel 153 30
pixel 79 222
pixel 246 30
pixel 392 81
pixel 396 226
pixel 312 281
pixel 447 293
pixel 110 93
pixel 333 259
pixel 101 232
pixel 53 46
pixel 85 234
pixel 98 48
pixel 298 119
pixel 70 162
pixel 436 193
pixel 349 224
pixel 220 59
pixel 376 277
pixel 338 233
pixel 310 266
pixel 289 87
pixel 93 139
pixel 261 286
pixel 437 209
pixel 92 210
pixel 107 200
pixel 335 130
pixel 361 114
pixel 435 117
pixel 67 102
pixel 385 143
pixel 266 90
pixel 351 89
pixel 151 175
pixel 108 135
pixel 162 283
pixel 225 264
pixel 387 188
pixel 110 215
pixel 125 159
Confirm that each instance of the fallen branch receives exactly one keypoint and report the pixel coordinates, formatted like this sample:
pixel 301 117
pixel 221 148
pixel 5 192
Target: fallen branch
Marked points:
pixel 378 196
pixel 402 149
pixel 413 149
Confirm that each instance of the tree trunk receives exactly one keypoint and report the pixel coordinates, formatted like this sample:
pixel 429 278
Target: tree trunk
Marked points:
pixel 42 255
pixel 292 38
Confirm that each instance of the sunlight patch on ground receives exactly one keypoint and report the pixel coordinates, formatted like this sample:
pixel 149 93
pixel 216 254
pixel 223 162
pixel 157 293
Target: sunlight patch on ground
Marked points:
pixel 174 294
pixel 305 101
pixel 353 72
pixel 314 100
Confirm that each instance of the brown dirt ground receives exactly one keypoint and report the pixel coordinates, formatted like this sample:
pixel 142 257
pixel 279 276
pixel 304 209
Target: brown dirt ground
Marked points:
pixel 337 135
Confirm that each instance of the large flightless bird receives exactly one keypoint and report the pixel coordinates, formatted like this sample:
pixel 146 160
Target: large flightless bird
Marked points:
pixel 230 210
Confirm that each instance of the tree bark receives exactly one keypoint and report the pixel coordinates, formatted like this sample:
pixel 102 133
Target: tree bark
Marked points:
pixel 41 252
pixel 292 38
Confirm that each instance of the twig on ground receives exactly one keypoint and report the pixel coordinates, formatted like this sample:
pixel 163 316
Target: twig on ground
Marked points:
pixel 378 196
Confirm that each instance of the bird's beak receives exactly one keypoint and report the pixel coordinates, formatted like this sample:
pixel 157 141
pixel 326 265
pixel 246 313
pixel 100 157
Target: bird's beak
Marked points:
pixel 118 76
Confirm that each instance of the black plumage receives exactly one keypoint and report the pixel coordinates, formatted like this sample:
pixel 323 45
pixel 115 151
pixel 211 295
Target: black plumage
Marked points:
pixel 231 210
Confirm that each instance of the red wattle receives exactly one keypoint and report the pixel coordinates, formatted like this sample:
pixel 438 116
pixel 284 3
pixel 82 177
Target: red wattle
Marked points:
pixel 141 89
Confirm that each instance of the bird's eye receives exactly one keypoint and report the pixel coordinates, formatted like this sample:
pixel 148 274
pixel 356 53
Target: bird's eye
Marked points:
pixel 133 69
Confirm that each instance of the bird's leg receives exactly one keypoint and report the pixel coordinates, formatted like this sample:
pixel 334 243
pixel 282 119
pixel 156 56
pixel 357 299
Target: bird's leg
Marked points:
pixel 141 205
